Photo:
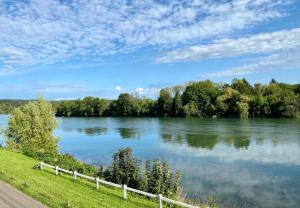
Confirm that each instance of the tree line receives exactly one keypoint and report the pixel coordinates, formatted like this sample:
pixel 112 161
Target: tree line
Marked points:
pixel 196 99
pixel 7 106
pixel 30 131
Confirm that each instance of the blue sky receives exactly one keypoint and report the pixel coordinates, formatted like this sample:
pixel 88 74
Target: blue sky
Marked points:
pixel 71 48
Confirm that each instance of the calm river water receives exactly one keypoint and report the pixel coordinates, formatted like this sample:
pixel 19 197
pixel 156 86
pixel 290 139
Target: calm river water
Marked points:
pixel 242 163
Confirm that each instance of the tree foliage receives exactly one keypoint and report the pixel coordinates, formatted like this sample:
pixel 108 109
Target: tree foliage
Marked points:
pixel 154 177
pixel 30 129
pixel 7 106
pixel 208 99
pixel 165 102
pixel 126 169
pixel 197 99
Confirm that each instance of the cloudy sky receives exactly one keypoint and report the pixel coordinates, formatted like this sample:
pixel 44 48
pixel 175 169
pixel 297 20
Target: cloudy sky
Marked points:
pixel 74 48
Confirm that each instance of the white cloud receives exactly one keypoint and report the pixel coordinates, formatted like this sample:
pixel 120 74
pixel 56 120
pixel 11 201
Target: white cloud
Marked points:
pixel 255 44
pixel 147 91
pixel 286 153
pixel 45 32
pixel 64 98
pixel 118 88
pixel 139 90
pixel 277 61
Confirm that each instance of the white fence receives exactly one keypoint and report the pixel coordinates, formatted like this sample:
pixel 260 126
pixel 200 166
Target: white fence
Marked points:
pixel 98 181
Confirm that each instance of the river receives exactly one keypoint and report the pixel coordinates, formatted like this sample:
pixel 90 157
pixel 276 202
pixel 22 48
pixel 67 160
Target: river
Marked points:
pixel 240 162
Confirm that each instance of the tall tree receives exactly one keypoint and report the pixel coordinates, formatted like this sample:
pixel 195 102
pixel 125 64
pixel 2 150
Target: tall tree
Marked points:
pixel 203 94
pixel 30 129
pixel 242 106
pixel 165 102
pixel 226 102
pixel 126 105
pixel 177 101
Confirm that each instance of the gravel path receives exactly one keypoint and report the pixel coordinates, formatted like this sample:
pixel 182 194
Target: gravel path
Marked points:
pixel 10 197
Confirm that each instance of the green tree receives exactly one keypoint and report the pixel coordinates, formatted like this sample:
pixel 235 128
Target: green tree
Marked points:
pixel 145 107
pixel 226 102
pixel 242 106
pixel 297 89
pixel 126 105
pixel 177 102
pixel 65 109
pixel 101 106
pixel 126 169
pixel 165 102
pixel 242 85
pixel 30 129
pixel 191 109
pixel 288 106
pixel 203 94
pixel 258 101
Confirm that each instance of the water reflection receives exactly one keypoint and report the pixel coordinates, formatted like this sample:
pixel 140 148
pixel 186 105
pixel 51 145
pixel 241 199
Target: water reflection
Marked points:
pixel 244 163
pixel 201 141
pixel 239 142
pixel 93 131
pixel 206 141
pixel 125 133
pixel 129 133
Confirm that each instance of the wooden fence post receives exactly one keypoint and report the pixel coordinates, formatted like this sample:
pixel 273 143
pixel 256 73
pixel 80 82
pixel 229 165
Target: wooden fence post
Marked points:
pixel 125 191
pixel 97 183
pixel 160 201
pixel 41 165
pixel 75 175
pixel 56 170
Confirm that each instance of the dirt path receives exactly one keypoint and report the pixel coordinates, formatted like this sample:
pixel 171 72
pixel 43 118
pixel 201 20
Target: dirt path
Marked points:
pixel 10 197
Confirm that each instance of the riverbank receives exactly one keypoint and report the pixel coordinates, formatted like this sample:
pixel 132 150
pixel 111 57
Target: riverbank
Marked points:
pixel 19 171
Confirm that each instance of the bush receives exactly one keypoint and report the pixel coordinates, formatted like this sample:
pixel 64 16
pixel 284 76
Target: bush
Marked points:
pixel 156 178
pixel 30 129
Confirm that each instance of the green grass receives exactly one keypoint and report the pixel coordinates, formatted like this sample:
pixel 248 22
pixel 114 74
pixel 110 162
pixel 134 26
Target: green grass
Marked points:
pixel 55 191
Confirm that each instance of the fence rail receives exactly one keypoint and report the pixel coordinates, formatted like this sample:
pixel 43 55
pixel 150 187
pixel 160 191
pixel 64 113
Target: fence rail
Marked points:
pixel 160 198
pixel 66 171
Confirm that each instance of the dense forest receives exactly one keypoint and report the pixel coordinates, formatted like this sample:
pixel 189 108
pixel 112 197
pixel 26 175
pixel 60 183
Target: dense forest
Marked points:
pixel 197 99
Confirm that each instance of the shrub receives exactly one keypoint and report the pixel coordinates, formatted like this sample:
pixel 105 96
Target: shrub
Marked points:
pixel 30 129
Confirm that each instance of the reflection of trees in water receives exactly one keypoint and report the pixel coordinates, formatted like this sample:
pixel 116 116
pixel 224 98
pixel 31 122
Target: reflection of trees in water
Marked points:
pixel 177 138
pixel 203 141
pixel 167 137
pixel 125 133
pixel 129 133
pixel 93 131
pixel 239 142
pixel 207 141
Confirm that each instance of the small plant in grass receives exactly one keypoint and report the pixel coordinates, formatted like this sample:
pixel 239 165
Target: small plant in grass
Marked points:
pixel 25 184
pixel 1 172
pixel 67 204
pixel 13 177
pixel 211 201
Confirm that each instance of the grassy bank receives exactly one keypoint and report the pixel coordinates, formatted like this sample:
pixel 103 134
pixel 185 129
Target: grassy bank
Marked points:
pixel 55 191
